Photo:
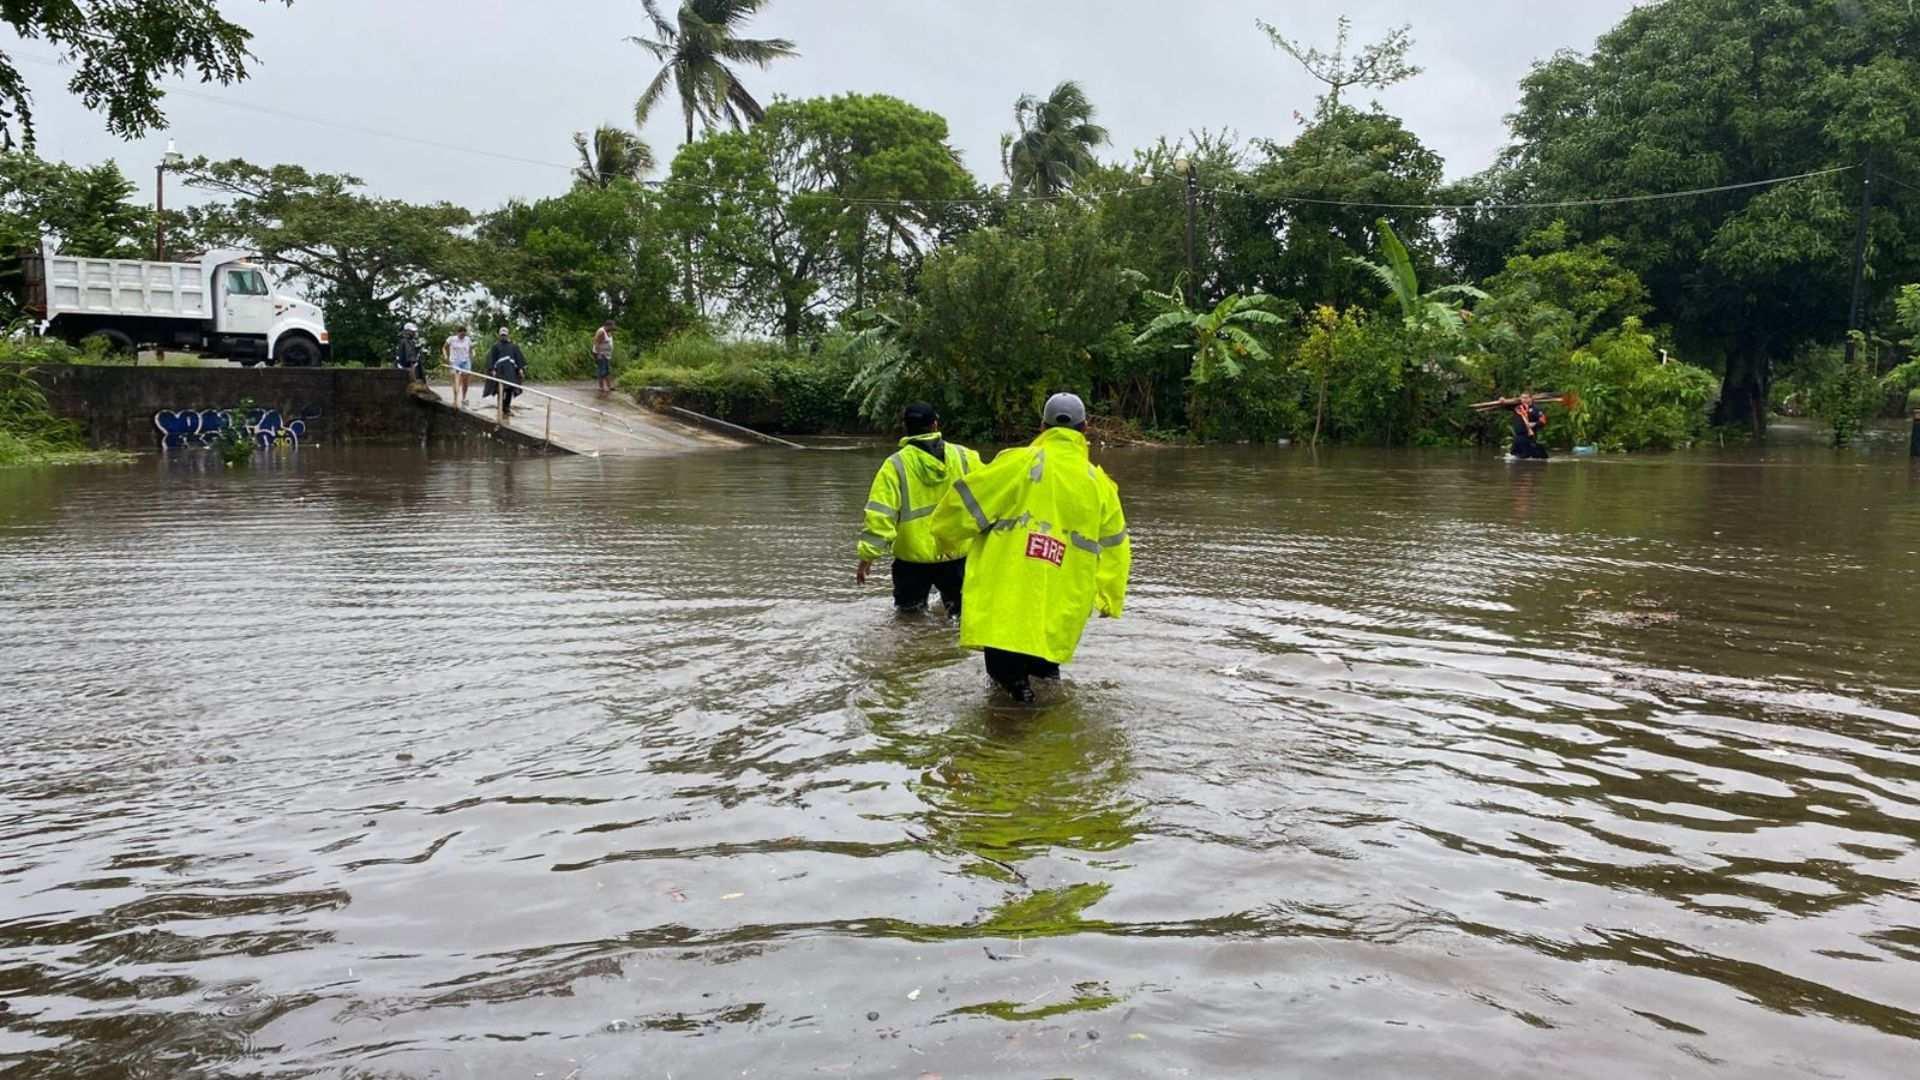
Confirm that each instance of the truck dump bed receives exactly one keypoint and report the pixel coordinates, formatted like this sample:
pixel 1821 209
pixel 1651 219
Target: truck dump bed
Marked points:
pixel 67 284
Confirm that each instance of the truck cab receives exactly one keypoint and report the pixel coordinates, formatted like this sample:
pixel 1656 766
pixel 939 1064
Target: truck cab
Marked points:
pixel 250 313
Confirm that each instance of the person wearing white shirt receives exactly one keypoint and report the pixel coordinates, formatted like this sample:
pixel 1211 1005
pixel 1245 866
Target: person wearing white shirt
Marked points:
pixel 458 352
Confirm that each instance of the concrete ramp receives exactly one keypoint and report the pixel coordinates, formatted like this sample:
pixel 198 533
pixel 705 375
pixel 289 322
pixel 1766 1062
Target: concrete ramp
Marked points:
pixel 580 420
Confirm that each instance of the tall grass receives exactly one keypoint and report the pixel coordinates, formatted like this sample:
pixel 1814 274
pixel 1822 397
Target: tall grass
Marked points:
pixel 30 433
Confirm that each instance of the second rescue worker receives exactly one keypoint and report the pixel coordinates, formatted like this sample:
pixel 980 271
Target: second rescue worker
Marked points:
pixel 1046 546
pixel 905 491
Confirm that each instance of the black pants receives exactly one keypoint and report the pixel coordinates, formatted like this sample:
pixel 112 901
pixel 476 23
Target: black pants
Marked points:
pixel 912 581
pixel 1013 670
pixel 1524 447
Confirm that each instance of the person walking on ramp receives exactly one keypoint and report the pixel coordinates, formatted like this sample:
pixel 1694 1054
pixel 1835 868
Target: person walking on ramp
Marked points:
pixel 899 505
pixel 1046 545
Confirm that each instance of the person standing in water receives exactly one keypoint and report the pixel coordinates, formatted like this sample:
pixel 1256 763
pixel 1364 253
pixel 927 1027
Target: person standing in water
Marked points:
pixel 1046 546
pixel 905 491
pixel 1528 422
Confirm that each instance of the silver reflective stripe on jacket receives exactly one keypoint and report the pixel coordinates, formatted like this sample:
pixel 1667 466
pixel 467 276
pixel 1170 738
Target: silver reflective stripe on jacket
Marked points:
pixel 906 500
pixel 972 504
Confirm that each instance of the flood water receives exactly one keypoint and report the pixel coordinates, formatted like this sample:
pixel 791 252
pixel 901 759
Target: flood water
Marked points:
pixel 407 763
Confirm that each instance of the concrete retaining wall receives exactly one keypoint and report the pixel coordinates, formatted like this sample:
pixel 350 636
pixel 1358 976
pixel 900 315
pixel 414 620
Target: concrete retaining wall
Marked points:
pixel 116 405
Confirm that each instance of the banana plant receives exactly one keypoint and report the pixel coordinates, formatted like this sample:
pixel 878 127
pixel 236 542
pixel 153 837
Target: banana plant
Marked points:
pixel 1219 339
pixel 1420 310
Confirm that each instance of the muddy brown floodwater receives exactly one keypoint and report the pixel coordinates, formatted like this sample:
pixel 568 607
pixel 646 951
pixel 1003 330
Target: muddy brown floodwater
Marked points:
pixel 385 762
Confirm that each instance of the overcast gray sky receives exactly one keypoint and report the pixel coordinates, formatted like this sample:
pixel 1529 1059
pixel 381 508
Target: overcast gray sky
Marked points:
pixel 517 77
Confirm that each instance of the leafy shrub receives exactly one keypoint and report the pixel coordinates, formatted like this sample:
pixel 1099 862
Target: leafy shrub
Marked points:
pixel 1838 394
pixel 758 384
pixel 557 353
pixel 1629 400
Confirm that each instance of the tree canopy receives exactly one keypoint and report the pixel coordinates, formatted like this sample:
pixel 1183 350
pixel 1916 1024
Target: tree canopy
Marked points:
pixel 370 260
pixel 1702 93
pixel 121 50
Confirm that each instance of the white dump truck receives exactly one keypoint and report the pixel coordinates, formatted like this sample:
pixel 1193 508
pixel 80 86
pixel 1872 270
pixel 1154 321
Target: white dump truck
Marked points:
pixel 223 305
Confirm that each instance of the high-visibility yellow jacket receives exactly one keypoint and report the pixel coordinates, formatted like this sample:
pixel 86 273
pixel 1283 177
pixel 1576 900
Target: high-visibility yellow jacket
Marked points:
pixel 1046 545
pixel 904 493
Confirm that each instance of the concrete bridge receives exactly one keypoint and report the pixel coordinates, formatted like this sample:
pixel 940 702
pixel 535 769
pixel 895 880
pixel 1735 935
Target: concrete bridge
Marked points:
pixel 576 418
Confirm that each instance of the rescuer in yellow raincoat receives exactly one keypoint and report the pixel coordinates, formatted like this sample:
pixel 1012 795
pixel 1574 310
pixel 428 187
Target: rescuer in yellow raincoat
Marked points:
pixel 1046 546
pixel 899 506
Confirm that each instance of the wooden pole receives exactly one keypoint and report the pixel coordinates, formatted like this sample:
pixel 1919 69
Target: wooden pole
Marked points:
pixel 160 213
pixel 1860 255
pixel 549 422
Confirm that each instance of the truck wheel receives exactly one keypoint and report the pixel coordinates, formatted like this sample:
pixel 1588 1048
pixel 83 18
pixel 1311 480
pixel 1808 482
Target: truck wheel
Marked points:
pixel 117 343
pixel 297 350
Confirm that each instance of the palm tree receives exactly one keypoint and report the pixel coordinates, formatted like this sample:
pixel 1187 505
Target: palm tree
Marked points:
pixel 611 154
pixel 696 54
pixel 1055 142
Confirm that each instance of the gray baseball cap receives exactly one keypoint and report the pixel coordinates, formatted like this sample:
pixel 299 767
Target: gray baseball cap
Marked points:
pixel 1064 410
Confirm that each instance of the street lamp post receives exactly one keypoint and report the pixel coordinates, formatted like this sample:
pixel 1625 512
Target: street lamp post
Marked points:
pixel 1185 166
pixel 171 159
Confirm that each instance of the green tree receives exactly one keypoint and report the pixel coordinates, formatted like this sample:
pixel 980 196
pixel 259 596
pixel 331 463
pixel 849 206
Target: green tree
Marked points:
pixel 609 155
pixel 1344 156
pixel 699 54
pixel 1010 314
pixel 781 219
pixel 1552 297
pixel 574 260
pixel 369 262
pixel 83 210
pixel 1149 218
pixel 1701 93
pixel 1055 141
pixel 120 50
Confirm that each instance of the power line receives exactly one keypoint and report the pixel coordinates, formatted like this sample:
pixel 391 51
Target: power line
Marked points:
pixel 1611 200
pixel 285 114
pixel 1615 200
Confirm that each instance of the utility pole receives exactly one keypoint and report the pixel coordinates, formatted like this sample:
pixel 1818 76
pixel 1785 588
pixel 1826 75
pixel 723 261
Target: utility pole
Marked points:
pixel 168 160
pixel 1185 165
pixel 1860 255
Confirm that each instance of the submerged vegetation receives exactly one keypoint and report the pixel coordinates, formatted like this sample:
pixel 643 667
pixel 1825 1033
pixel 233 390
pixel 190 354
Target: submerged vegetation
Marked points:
pixel 1668 235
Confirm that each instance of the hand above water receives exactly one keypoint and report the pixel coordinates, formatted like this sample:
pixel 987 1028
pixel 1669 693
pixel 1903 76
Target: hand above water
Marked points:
pixel 860 572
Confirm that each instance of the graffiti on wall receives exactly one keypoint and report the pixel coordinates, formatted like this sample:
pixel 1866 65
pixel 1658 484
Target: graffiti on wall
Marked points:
pixel 199 427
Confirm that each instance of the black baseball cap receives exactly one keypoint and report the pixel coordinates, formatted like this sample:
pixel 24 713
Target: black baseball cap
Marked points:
pixel 919 418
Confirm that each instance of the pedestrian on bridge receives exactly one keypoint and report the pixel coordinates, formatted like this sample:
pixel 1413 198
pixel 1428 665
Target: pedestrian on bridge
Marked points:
pixel 410 355
pixel 603 357
pixel 458 353
pixel 508 364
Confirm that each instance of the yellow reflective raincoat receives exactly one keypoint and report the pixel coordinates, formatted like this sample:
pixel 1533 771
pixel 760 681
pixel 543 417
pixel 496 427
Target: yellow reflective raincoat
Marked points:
pixel 905 491
pixel 1046 545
